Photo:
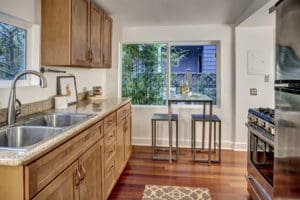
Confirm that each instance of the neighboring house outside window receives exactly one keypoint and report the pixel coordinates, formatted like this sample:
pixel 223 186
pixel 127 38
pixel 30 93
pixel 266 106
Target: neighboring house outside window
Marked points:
pixel 145 71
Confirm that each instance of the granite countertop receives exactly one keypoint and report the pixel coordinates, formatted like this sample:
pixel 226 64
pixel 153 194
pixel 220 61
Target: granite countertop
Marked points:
pixel 17 158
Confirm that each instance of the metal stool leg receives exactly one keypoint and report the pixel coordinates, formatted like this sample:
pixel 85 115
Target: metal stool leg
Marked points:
pixel 177 150
pixel 215 143
pixel 220 141
pixel 194 139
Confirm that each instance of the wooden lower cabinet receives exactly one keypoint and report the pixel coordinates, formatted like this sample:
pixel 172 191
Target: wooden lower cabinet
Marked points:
pixel 82 180
pixel 123 143
pixel 120 151
pixel 127 139
pixel 91 171
pixel 62 187
pixel 86 167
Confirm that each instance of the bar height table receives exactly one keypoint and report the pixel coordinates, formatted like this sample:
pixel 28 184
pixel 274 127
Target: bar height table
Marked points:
pixel 190 99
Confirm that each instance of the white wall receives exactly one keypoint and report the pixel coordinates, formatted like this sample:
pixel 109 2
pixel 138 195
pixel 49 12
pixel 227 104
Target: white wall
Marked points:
pixel 222 33
pixel 255 39
pixel 30 10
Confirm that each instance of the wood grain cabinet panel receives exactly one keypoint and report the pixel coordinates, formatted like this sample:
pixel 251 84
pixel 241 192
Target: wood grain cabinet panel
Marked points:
pixel 86 167
pixel 42 171
pixel 80 32
pixel 90 170
pixel 75 33
pixel 123 139
pixel 65 186
pixel 96 36
pixel 127 138
pixel 107 41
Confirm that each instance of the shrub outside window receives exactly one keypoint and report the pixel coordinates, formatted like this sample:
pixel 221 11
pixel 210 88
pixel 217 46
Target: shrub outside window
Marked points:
pixel 12 50
pixel 145 71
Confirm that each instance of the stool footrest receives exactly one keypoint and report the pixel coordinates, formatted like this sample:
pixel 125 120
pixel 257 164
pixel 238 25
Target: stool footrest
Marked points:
pixel 205 118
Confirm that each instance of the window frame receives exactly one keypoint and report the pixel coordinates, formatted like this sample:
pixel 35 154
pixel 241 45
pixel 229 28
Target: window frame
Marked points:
pixel 168 67
pixel 32 51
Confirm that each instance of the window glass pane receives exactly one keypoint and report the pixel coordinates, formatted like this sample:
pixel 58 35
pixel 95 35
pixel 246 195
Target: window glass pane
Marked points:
pixel 12 51
pixel 193 69
pixel 144 73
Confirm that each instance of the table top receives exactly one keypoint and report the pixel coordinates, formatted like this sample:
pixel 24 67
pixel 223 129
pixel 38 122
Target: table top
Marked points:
pixel 190 98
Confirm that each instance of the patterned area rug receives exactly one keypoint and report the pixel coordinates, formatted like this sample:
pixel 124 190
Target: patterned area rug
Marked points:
pixel 159 192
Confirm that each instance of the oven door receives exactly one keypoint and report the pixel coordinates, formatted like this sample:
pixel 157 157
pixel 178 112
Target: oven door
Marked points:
pixel 260 163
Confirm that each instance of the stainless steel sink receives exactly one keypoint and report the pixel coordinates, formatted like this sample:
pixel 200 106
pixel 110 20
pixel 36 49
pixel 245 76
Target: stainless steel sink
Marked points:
pixel 58 120
pixel 21 137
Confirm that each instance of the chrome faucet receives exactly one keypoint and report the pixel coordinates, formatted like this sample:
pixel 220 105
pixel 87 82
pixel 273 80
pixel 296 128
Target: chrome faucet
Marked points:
pixel 11 110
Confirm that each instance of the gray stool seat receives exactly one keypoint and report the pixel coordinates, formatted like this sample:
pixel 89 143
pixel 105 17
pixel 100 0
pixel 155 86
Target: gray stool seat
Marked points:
pixel 205 118
pixel 163 117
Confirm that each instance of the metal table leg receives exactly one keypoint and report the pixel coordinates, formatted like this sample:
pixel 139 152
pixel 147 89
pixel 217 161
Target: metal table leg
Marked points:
pixel 170 131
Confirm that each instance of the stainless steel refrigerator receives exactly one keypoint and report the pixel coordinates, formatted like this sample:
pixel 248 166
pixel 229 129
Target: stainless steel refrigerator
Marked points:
pixel 287 100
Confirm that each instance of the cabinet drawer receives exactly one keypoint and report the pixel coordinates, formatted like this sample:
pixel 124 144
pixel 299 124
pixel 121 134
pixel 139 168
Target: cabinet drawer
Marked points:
pixel 123 112
pixel 109 122
pixel 109 152
pixel 42 171
pixel 110 136
pixel 109 179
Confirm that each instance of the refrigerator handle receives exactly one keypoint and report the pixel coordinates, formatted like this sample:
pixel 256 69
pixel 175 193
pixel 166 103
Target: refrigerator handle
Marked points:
pixel 273 8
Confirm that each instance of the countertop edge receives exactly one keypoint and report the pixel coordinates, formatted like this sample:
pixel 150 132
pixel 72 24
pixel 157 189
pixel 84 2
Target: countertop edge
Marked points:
pixel 25 157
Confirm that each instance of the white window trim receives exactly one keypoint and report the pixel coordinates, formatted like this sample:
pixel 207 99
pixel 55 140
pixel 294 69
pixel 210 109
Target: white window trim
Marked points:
pixel 170 43
pixel 32 49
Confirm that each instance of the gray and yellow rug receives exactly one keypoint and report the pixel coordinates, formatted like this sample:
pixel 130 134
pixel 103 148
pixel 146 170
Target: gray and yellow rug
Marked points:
pixel 161 192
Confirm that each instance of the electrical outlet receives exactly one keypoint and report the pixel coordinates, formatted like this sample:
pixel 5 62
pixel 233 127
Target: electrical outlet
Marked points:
pixel 253 91
pixel 267 78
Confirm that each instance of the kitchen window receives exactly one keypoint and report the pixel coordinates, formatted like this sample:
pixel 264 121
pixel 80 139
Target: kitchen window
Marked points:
pixel 12 50
pixel 19 49
pixel 148 79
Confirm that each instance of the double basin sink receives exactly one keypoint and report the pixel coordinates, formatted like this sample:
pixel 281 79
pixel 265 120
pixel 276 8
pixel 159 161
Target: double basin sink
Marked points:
pixel 33 132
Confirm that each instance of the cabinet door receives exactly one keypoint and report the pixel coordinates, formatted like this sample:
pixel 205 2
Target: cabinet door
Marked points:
pixel 91 173
pixel 107 41
pixel 80 32
pixel 96 26
pixel 64 187
pixel 120 155
pixel 127 138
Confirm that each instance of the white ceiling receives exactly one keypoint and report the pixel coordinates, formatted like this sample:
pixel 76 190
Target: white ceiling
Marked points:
pixel 174 12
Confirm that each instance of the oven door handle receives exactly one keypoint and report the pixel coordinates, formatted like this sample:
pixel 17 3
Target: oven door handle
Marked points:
pixel 252 182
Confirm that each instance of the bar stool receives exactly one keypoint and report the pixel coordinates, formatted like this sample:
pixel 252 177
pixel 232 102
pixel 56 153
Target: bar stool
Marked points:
pixel 205 118
pixel 163 117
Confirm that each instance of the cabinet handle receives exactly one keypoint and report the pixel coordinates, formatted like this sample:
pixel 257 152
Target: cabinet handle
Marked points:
pixel 83 172
pixel 111 121
pixel 91 56
pixel 77 178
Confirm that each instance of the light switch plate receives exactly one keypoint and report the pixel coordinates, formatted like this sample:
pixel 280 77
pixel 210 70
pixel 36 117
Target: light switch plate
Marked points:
pixel 253 91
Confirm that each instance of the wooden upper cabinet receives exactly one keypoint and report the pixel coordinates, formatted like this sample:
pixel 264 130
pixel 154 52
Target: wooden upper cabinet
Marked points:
pixel 80 32
pixel 75 33
pixel 107 41
pixel 96 29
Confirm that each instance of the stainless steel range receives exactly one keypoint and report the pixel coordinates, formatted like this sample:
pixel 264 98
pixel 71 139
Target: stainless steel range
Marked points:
pixel 261 132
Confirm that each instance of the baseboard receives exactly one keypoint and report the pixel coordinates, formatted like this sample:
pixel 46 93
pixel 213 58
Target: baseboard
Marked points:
pixel 226 144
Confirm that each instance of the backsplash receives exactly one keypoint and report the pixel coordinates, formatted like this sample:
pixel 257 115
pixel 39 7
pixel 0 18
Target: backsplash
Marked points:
pixel 36 107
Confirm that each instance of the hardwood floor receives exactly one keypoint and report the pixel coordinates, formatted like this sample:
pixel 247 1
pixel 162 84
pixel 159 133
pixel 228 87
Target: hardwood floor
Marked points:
pixel 225 180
